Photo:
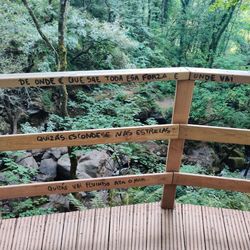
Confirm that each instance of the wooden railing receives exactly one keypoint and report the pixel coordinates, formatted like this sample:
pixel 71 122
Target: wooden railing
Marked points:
pixel 176 133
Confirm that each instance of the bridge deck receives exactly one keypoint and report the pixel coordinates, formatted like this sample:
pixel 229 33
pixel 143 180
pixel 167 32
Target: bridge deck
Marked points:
pixel 144 226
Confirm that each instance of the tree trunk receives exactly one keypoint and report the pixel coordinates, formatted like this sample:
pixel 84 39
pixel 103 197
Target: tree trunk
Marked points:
pixel 216 36
pixel 182 49
pixel 62 66
pixel 62 53
pixel 164 10
pixel 149 14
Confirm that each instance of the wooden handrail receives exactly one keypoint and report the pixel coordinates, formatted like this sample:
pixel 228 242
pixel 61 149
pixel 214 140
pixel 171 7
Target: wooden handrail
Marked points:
pixel 121 76
pixel 71 186
pixel 215 182
pixel 177 132
pixel 88 137
pixel 128 181
pixel 214 134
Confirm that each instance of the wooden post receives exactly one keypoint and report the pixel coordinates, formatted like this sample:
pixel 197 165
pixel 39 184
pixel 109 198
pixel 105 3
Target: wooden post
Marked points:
pixel 182 104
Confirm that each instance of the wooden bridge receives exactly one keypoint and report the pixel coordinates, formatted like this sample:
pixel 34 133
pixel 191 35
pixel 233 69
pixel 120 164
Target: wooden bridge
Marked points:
pixel 145 226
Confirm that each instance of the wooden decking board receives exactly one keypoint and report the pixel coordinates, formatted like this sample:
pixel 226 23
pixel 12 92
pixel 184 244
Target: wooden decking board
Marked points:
pixel 115 228
pixel 53 232
pixel 236 231
pixel 214 230
pixel 69 236
pixel 101 234
pixel 86 229
pixel 36 232
pixel 246 217
pixel 179 241
pixel 126 227
pixel 21 236
pixel 154 227
pixel 7 231
pixel 133 227
pixel 193 227
pixel 140 227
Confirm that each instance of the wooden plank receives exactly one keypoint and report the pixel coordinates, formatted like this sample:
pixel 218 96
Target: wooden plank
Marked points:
pixel 219 75
pixel 196 180
pixel 140 227
pixel 126 227
pixel 92 77
pixel 214 230
pixel 87 137
pixel 215 134
pixel 21 237
pixel 69 237
pixel 183 100
pixel 71 186
pixel 36 232
pixel 193 227
pixel 53 231
pixel 237 234
pixel 246 216
pixel 102 228
pixel 7 231
pixel 154 233
pixel 115 228
pixel 86 229
pixel 172 229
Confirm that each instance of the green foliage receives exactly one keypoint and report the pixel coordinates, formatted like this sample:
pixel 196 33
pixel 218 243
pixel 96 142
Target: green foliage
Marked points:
pixel 15 173
pixel 97 201
pixel 27 207
pixel 210 197
pixel 75 202
pixel 221 105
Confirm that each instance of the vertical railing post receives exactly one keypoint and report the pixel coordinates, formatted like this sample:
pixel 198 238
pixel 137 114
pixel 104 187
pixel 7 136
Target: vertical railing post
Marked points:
pixel 182 105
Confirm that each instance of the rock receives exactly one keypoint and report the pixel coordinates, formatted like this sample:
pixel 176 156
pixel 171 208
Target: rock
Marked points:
pixel 48 167
pixel 59 202
pixel 202 155
pixel 22 156
pixel 37 154
pixel 28 161
pixel 95 164
pixel 235 163
pixel 56 152
pixel 155 148
pixel 4 126
pixel 2 178
pixel 63 168
pixel 81 195
pixel 46 155
pixel 44 178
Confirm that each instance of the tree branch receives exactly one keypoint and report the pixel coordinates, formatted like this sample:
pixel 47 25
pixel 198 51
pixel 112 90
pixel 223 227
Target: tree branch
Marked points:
pixel 38 27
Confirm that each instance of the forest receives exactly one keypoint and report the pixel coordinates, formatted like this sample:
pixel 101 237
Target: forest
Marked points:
pixel 79 35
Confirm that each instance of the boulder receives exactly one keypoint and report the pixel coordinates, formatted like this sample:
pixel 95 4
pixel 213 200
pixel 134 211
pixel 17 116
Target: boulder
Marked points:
pixel 55 153
pixel 27 160
pixel 63 168
pixel 37 154
pixel 203 155
pixel 2 178
pixel 95 164
pixel 4 126
pixel 235 163
pixel 59 202
pixel 49 167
